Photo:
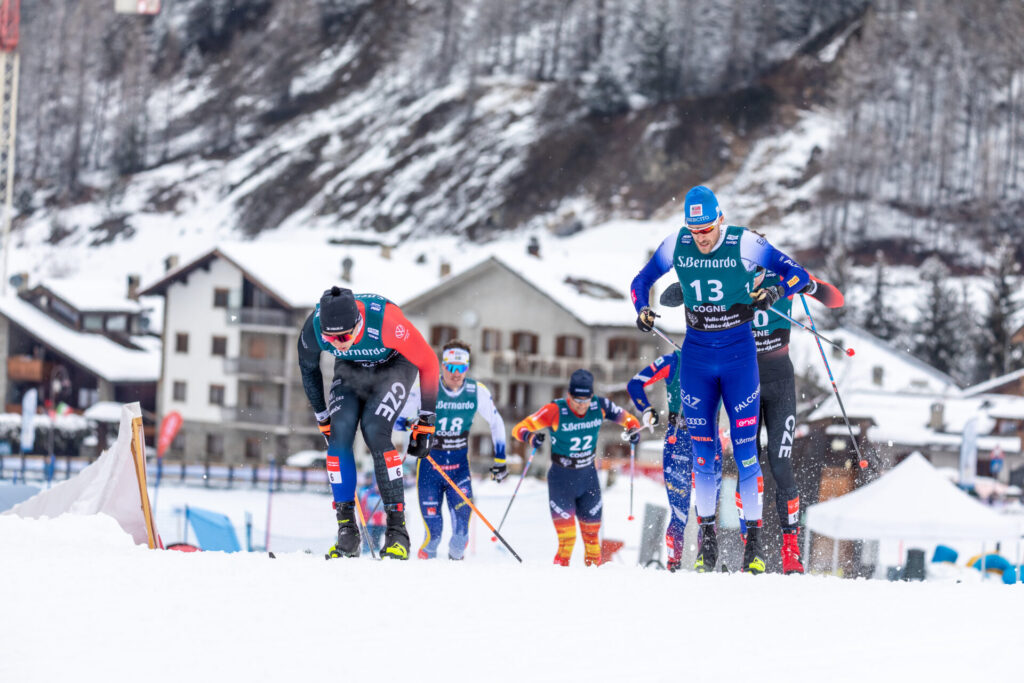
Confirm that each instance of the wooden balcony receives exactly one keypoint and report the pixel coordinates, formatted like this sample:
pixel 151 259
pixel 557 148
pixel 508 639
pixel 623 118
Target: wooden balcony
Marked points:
pixel 28 369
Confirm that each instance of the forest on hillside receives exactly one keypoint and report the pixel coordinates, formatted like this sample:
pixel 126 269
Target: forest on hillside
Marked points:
pixel 485 116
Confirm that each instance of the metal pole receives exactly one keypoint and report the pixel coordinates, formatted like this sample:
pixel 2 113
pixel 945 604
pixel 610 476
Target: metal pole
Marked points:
pixel 9 62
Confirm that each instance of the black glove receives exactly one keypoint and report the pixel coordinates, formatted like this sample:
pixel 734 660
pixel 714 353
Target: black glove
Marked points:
pixel 536 439
pixel 810 288
pixel 422 435
pixel 645 319
pixel 766 296
pixel 676 420
pixel 499 471
pixel 650 417
pixel 634 437
pixel 325 429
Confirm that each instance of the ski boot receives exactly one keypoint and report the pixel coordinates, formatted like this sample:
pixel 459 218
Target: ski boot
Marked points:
pixel 752 560
pixel 707 556
pixel 674 565
pixel 349 543
pixel 396 538
pixel 791 553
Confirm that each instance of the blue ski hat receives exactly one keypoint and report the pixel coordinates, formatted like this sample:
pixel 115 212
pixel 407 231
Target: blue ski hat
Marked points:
pixel 581 384
pixel 701 206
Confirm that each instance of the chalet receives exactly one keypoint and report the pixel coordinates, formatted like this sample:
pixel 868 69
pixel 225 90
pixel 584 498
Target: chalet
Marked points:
pixel 79 341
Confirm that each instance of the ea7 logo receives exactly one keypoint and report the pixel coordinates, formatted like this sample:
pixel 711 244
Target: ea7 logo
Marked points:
pixel 690 401
pixel 747 421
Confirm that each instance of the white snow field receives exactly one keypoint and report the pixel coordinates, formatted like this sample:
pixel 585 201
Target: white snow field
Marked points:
pixel 79 602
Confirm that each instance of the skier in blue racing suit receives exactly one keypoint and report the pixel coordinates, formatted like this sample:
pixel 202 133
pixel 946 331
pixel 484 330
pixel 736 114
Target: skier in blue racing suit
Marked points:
pixel 714 263
pixel 677 453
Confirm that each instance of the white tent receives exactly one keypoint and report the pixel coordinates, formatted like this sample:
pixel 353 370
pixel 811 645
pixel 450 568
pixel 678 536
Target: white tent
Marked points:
pixel 911 501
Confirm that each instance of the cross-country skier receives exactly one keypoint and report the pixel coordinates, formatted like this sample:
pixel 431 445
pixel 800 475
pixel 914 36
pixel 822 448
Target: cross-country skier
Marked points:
pixel 677 453
pixel 778 401
pixel 719 358
pixel 573 488
pixel 377 354
pixel 778 406
pixel 459 400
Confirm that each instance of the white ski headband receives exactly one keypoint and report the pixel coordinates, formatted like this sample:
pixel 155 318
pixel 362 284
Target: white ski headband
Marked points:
pixel 455 357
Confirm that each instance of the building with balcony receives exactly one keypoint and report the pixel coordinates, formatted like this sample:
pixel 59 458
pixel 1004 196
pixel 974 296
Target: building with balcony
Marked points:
pixel 81 341
pixel 532 319
pixel 231 323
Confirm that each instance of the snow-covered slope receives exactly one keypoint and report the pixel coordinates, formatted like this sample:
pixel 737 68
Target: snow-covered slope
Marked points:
pixel 81 602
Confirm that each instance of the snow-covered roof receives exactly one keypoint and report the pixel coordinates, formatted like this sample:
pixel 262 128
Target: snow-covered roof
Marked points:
pixel 988 385
pixel 588 273
pixel 97 353
pixel 296 274
pixel 900 371
pixel 93 294
pixel 299 273
pixel 903 418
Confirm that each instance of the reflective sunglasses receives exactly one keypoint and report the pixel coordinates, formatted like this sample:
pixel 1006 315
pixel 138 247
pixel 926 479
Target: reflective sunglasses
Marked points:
pixel 702 231
pixel 340 338
pixel 343 337
pixel 456 367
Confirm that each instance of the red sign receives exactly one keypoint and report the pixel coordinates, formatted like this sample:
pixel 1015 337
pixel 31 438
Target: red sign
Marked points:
pixel 168 430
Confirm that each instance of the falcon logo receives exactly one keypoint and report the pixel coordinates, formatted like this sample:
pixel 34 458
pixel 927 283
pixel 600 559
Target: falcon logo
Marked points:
pixel 696 210
pixel 401 332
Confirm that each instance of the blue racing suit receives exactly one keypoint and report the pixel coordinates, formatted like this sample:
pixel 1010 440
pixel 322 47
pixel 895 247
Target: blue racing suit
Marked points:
pixel 677 453
pixel 719 357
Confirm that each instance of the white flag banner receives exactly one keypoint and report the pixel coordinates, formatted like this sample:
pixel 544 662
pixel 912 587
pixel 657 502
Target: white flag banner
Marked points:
pixel 969 452
pixel 28 420
pixel 107 486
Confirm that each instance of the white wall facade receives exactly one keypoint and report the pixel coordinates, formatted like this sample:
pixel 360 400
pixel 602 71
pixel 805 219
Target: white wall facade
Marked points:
pixel 189 309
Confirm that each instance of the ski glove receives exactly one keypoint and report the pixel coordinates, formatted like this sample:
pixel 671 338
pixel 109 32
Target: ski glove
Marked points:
pixel 645 319
pixel 650 417
pixel 325 429
pixel 422 435
pixel 536 439
pixel 766 296
pixel 499 471
pixel 810 288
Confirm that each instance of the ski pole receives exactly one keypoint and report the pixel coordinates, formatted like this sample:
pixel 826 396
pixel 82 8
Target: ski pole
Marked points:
pixel 472 507
pixel 848 352
pixel 860 459
pixel 628 433
pixel 526 469
pixel 363 531
pixel 664 336
pixel 632 474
